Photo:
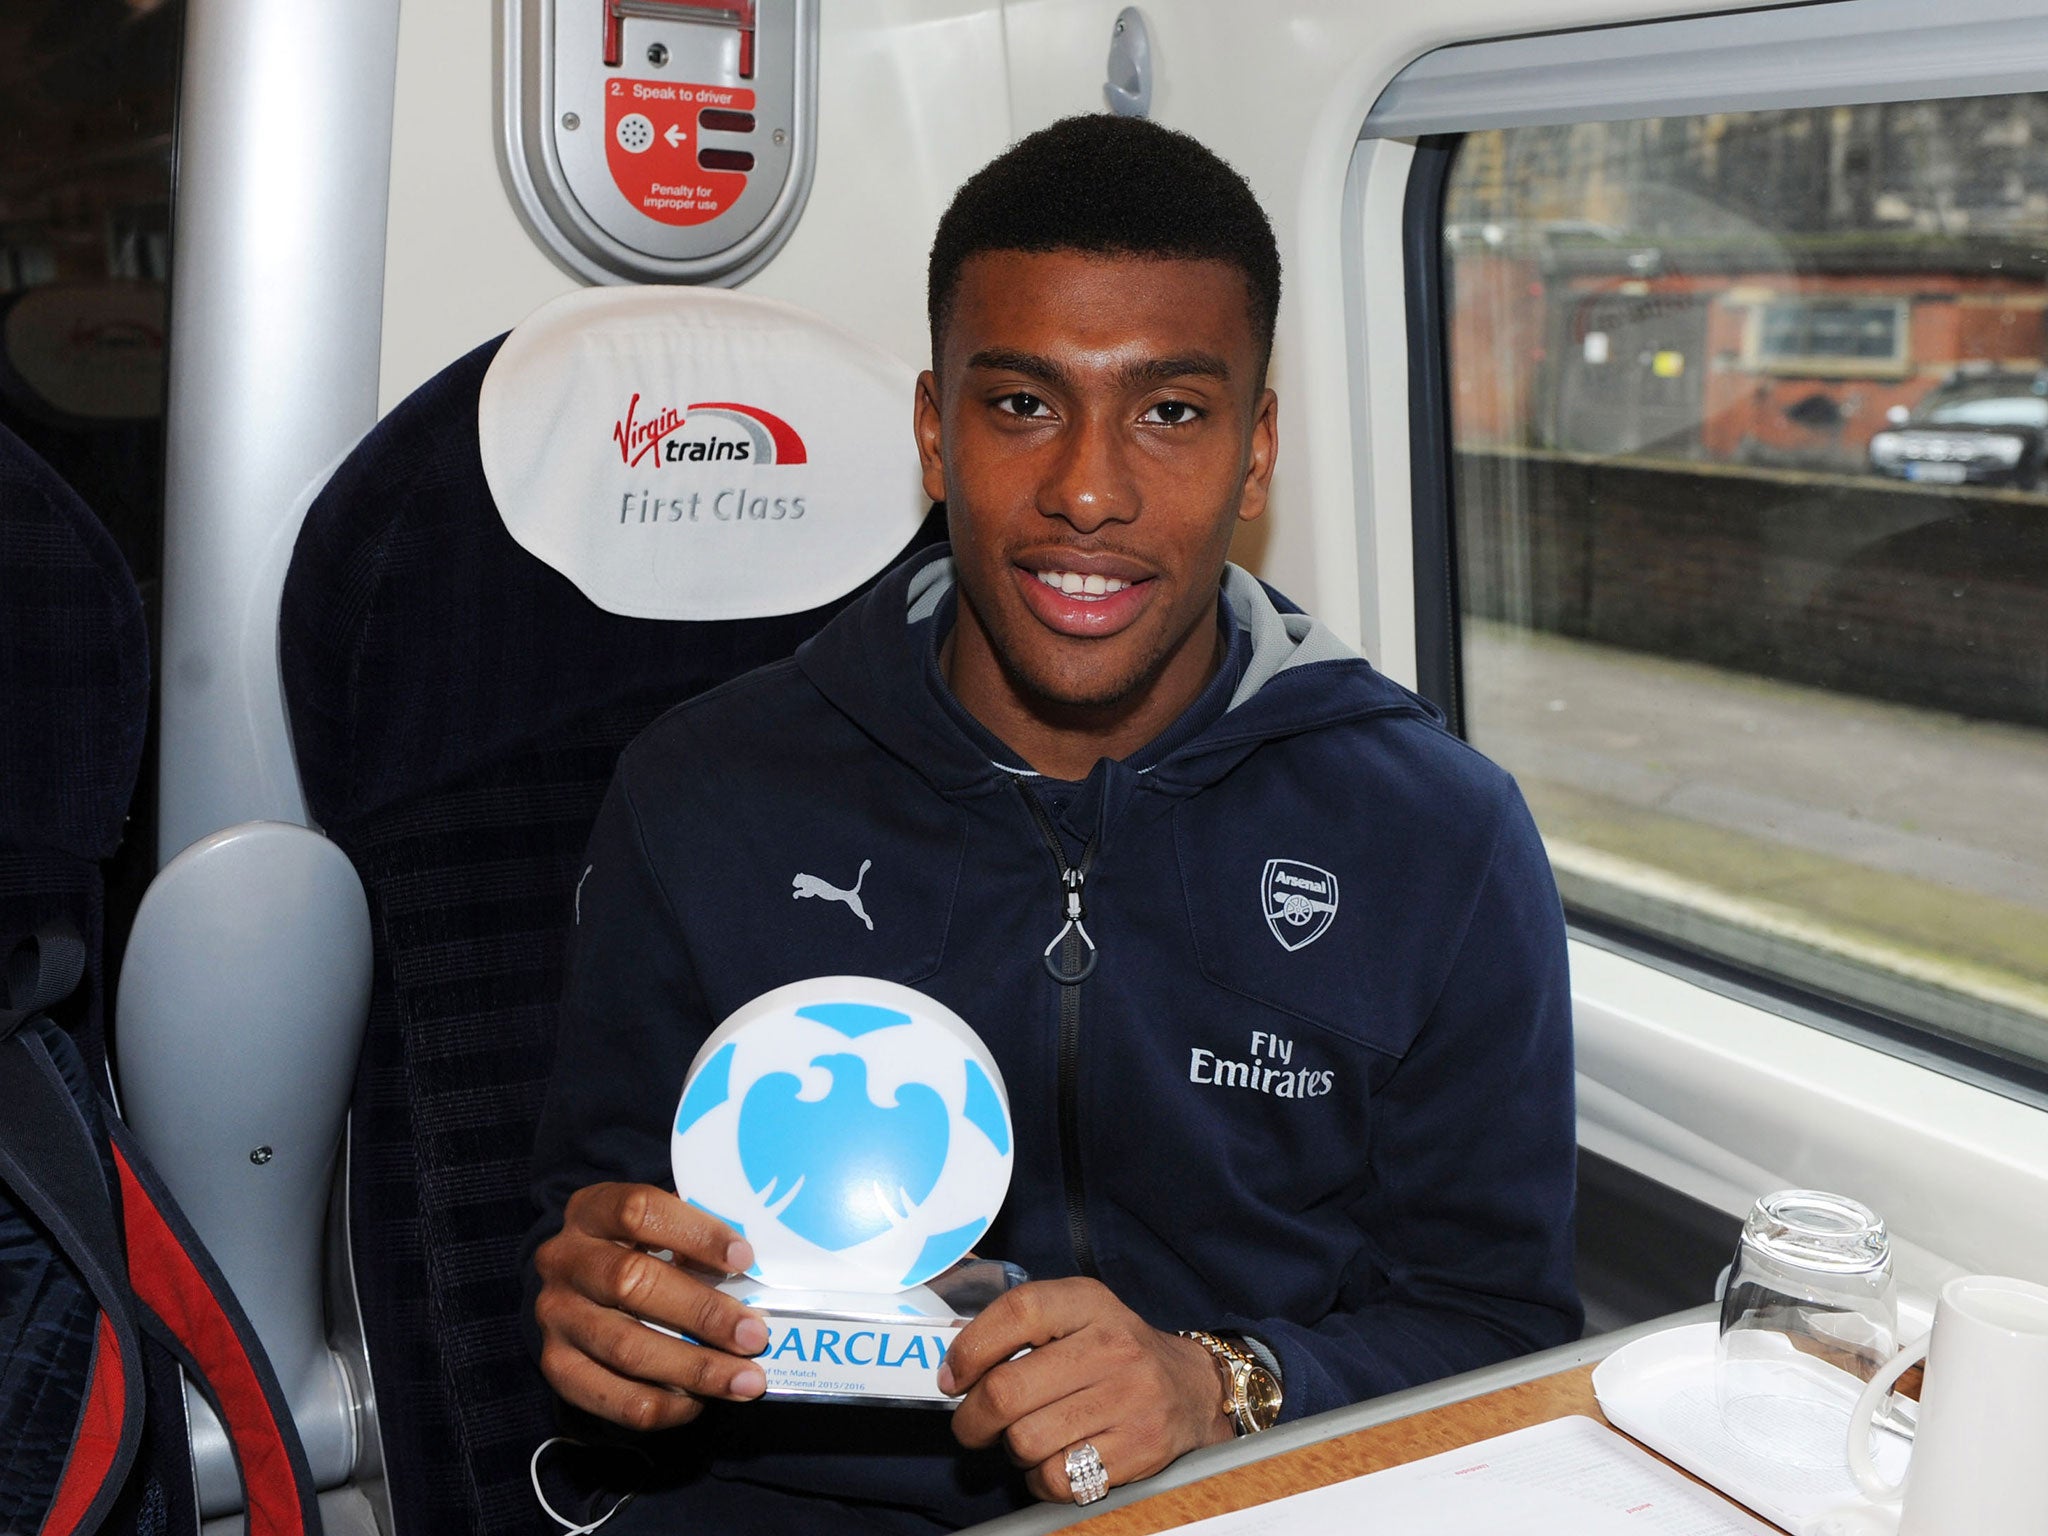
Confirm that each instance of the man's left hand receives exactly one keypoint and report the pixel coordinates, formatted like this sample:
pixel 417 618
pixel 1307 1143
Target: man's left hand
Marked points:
pixel 1096 1372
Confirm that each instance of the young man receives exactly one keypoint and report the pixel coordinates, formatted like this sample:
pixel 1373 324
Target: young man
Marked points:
pixel 1306 1090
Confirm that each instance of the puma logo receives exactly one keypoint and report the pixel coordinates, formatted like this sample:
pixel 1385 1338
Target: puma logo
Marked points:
pixel 811 885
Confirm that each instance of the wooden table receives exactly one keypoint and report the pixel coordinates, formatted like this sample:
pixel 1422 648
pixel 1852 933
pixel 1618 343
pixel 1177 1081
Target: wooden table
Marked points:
pixel 1366 1437
pixel 1350 1442
pixel 1365 1450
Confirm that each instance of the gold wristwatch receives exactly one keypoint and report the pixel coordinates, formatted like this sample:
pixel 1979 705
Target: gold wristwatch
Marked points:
pixel 1251 1393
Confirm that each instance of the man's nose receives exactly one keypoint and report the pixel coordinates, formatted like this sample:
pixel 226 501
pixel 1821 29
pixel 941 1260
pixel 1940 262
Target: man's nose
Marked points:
pixel 1090 482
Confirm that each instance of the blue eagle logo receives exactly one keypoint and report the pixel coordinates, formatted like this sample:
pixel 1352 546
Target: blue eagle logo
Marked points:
pixel 855 1167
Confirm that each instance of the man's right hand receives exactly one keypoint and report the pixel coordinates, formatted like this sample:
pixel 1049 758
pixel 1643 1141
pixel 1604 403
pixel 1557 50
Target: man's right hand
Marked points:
pixel 599 1277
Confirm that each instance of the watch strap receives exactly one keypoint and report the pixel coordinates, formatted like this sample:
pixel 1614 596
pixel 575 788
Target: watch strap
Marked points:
pixel 1251 1391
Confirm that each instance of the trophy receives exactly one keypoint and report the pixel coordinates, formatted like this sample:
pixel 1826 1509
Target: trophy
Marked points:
pixel 858 1135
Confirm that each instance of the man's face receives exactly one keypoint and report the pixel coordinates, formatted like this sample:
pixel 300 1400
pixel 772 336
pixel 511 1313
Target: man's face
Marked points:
pixel 1100 430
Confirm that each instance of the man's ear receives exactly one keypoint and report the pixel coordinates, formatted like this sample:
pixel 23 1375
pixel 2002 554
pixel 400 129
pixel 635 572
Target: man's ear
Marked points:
pixel 1258 471
pixel 925 423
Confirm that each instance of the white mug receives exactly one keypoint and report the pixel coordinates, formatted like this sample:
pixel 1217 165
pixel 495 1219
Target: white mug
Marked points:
pixel 1980 1454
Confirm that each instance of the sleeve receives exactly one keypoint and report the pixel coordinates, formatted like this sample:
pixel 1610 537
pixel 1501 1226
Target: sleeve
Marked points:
pixel 1467 1222
pixel 631 1019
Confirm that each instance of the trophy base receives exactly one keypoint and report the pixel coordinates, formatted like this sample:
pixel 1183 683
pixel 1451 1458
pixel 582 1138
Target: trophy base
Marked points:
pixel 881 1349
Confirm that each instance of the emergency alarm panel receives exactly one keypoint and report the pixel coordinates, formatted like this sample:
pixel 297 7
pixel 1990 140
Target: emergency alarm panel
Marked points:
pixel 660 140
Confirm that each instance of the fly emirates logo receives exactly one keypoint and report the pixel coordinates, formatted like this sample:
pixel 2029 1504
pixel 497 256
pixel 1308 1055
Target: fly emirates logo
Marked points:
pixel 1267 1068
pixel 726 432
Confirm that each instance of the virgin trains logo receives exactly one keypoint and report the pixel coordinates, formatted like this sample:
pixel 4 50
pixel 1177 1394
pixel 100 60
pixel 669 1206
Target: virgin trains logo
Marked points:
pixel 709 432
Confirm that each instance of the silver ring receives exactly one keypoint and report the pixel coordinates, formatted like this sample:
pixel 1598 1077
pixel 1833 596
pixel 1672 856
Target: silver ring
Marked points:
pixel 1086 1474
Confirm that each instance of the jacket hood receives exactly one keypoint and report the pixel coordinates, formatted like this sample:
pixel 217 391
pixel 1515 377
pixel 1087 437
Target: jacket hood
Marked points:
pixel 870 663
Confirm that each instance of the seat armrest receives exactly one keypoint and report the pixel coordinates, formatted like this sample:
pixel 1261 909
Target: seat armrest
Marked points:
pixel 243 1000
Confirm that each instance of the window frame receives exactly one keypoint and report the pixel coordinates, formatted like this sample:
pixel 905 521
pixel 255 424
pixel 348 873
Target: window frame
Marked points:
pixel 1766 58
pixel 1772 62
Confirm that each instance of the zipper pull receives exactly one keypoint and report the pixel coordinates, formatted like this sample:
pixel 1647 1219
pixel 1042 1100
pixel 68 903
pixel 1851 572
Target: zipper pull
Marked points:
pixel 1072 879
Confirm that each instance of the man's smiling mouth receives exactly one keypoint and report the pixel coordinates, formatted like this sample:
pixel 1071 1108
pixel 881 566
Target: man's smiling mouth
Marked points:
pixel 1086 588
pixel 1084 593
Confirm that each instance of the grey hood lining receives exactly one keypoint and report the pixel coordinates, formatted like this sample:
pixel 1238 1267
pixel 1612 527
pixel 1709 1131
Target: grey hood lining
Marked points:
pixel 1279 640
pixel 929 585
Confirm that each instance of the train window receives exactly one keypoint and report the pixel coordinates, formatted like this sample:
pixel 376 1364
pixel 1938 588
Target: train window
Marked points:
pixel 1748 443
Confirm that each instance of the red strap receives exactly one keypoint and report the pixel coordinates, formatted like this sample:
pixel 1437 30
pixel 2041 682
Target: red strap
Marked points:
pixel 170 1284
pixel 98 1440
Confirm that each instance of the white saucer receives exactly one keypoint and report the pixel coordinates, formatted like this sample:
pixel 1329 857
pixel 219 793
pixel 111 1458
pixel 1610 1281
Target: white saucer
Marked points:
pixel 1661 1391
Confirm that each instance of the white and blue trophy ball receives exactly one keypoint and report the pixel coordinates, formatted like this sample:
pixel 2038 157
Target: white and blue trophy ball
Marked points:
pixel 856 1132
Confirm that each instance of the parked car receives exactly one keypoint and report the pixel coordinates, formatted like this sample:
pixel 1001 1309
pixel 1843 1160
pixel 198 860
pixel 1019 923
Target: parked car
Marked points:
pixel 1980 428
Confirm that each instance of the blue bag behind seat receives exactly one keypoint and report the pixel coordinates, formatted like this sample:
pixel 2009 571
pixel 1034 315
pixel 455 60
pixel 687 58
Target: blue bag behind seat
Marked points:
pixel 104 1293
pixel 457 708
pixel 74 702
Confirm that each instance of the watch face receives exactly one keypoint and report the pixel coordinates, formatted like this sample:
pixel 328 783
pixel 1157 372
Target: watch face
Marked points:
pixel 1261 1397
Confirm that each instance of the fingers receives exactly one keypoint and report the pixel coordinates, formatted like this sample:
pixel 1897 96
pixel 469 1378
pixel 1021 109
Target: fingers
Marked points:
pixel 598 1284
pixel 1015 1390
pixel 647 1286
pixel 653 1218
pixel 1135 1437
pixel 1048 1481
pixel 628 1349
pixel 601 1356
pixel 1093 1371
pixel 1131 1432
pixel 1128 1454
pixel 683 1375
pixel 1060 1392
pixel 1026 1317
pixel 581 1274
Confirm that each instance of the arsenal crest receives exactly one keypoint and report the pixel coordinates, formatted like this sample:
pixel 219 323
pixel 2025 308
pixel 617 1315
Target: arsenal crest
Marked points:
pixel 1299 899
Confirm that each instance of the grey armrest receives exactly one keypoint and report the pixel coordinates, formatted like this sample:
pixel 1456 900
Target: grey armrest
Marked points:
pixel 243 999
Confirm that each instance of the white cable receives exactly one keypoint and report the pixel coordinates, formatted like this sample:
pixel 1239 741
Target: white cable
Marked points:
pixel 569 1527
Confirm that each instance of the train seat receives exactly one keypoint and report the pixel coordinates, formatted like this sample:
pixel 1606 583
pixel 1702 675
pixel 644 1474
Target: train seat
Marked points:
pixel 632 497
pixel 74 707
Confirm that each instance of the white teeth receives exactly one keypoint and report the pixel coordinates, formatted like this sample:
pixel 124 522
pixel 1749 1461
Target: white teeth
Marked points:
pixel 1074 584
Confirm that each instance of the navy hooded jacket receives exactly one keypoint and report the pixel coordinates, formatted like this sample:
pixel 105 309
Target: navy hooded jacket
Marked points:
pixel 1317 1088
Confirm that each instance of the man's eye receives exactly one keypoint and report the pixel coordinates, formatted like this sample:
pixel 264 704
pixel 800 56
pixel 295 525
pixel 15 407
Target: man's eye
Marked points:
pixel 1021 404
pixel 1171 413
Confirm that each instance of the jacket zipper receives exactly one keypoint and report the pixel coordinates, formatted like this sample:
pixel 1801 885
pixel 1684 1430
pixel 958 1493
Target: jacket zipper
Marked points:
pixel 1074 965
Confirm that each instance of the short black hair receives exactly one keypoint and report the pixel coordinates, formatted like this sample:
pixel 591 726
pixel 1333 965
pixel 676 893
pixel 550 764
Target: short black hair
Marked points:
pixel 1114 186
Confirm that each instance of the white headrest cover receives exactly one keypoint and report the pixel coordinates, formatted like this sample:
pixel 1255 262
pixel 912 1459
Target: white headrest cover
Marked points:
pixel 696 454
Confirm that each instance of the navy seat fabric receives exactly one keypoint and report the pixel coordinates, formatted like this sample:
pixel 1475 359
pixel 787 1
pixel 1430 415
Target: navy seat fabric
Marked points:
pixel 457 708
pixel 74 707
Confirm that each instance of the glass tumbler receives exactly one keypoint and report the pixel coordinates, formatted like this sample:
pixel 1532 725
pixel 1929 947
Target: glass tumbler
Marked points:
pixel 1809 1315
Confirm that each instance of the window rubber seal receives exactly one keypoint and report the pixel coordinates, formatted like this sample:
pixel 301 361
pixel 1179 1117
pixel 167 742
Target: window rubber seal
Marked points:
pixel 1431 465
